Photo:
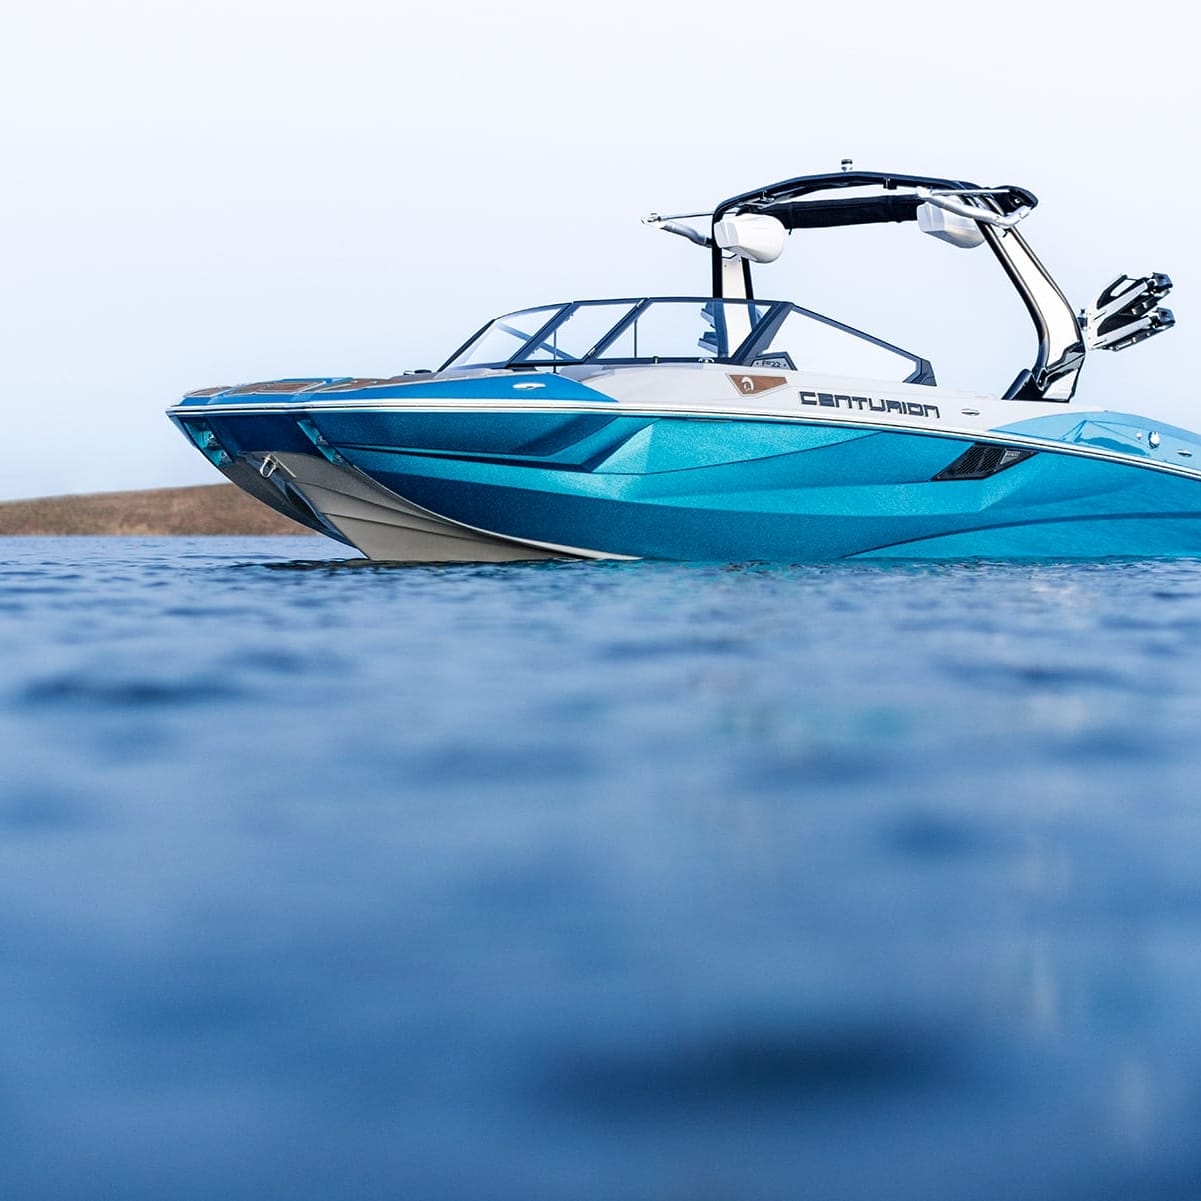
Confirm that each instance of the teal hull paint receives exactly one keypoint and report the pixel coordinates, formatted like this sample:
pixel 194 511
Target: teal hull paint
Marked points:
pixel 412 389
pixel 1137 536
pixel 787 491
pixel 730 488
pixel 1125 433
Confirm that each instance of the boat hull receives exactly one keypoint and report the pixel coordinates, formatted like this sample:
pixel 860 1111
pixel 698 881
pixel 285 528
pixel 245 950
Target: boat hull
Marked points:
pixel 438 484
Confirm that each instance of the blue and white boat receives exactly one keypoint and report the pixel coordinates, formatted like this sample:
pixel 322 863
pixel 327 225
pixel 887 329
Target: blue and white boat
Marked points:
pixel 729 427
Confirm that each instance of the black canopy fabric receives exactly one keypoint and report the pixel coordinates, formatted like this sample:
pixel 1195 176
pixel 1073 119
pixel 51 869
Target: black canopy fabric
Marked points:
pixel 849 210
pixel 786 200
pixel 793 190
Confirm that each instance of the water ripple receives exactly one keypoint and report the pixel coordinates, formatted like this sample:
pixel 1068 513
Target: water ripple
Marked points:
pixel 756 1068
pixel 633 880
pixel 85 691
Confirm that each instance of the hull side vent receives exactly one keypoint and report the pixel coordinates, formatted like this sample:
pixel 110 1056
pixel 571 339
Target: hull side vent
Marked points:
pixel 983 459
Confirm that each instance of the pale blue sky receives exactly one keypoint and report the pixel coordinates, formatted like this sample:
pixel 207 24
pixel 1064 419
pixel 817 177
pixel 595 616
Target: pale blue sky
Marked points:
pixel 204 193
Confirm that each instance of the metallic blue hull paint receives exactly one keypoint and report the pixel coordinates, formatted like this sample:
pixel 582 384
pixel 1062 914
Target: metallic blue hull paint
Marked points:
pixel 1035 512
pixel 740 488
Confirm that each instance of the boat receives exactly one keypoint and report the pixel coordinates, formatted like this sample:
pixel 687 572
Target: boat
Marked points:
pixel 727 427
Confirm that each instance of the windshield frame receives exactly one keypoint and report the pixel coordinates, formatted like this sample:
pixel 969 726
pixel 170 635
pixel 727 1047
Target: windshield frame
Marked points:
pixel 556 311
pixel 763 330
pixel 636 306
pixel 922 373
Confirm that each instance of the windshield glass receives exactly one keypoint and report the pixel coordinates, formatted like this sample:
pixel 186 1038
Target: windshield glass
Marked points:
pixel 501 339
pixel 584 328
pixel 685 329
pixel 806 341
pixel 677 329
pixel 692 329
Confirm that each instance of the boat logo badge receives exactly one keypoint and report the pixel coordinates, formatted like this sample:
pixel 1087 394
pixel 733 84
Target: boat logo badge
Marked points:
pixel 526 387
pixel 751 385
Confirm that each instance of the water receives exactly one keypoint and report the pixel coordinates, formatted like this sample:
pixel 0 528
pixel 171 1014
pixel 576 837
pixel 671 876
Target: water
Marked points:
pixel 594 881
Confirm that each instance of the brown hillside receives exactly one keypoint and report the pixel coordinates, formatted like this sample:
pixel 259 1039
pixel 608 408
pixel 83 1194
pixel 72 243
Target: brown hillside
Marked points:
pixel 206 509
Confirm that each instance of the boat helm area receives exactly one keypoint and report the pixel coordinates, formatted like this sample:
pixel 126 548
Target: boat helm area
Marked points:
pixel 733 326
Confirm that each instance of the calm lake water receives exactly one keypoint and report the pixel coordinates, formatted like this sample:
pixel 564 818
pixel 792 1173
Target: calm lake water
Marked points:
pixel 583 881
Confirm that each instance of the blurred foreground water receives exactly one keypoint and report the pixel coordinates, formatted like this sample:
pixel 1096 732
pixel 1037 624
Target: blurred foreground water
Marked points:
pixel 639 881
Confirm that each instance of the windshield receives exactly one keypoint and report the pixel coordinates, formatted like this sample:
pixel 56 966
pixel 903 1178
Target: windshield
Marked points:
pixel 805 341
pixel 503 338
pixel 685 329
pixel 765 333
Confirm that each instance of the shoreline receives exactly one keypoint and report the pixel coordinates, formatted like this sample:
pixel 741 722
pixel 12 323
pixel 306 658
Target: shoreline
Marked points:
pixel 221 509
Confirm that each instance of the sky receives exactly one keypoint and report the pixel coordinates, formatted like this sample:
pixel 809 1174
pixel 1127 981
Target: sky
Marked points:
pixel 217 192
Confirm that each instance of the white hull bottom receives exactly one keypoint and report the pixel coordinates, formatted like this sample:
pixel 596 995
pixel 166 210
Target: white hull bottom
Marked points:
pixel 385 527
